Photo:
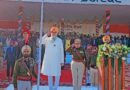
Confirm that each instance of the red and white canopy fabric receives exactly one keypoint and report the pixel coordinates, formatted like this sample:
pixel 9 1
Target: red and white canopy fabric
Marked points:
pixel 120 14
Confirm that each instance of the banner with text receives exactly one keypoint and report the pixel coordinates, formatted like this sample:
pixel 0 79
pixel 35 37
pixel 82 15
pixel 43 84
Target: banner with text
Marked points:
pixel 99 2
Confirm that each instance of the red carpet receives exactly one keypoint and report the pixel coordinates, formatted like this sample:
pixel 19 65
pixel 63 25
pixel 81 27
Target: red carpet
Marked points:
pixel 66 77
pixel 3 79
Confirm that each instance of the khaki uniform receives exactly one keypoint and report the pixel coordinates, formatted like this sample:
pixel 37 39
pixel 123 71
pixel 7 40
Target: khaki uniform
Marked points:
pixel 77 66
pixel 23 72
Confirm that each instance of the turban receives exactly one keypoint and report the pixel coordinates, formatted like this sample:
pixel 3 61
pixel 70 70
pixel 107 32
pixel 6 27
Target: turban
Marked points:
pixel 25 30
pixel 106 38
pixel 54 29
pixel 26 47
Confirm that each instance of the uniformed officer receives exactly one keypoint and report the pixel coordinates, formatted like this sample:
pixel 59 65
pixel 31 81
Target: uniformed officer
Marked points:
pixel 77 64
pixel 91 53
pixel 24 70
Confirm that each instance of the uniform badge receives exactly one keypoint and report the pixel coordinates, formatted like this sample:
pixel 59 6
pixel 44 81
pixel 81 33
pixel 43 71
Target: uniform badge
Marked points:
pixel 28 74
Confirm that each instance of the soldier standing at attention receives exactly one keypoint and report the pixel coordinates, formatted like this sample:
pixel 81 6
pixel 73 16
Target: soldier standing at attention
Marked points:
pixel 24 70
pixel 77 64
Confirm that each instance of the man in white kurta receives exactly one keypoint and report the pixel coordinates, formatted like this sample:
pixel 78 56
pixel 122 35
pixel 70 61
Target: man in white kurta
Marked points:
pixel 53 57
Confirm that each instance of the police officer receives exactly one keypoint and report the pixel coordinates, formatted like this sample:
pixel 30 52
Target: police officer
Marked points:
pixel 24 70
pixel 77 64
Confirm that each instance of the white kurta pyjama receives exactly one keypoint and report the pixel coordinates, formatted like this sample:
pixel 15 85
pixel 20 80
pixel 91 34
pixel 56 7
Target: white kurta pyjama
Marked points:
pixel 53 57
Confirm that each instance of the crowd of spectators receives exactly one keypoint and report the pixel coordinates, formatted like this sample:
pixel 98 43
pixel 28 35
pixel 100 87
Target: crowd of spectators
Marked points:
pixel 87 39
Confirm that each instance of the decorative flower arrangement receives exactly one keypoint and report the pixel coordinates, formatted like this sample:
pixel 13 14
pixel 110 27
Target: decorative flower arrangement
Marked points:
pixel 119 50
pixel 104 49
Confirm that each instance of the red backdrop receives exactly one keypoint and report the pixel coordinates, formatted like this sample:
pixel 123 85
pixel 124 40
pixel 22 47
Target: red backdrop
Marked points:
pixel 8 24
pixel 119 28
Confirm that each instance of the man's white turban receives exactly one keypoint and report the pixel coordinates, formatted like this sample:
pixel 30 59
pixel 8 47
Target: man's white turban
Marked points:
pixel 26 47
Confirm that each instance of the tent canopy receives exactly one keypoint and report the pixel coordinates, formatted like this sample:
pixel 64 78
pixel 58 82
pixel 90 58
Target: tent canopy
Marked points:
pixel 70 12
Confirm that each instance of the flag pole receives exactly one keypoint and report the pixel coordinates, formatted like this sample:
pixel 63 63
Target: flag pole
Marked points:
pixel 40 45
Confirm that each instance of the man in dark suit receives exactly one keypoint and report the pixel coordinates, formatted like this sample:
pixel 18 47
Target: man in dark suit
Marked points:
pixel 10 57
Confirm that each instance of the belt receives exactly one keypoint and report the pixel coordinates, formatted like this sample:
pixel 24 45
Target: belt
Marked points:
pixel 24 78
pixel 76 60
